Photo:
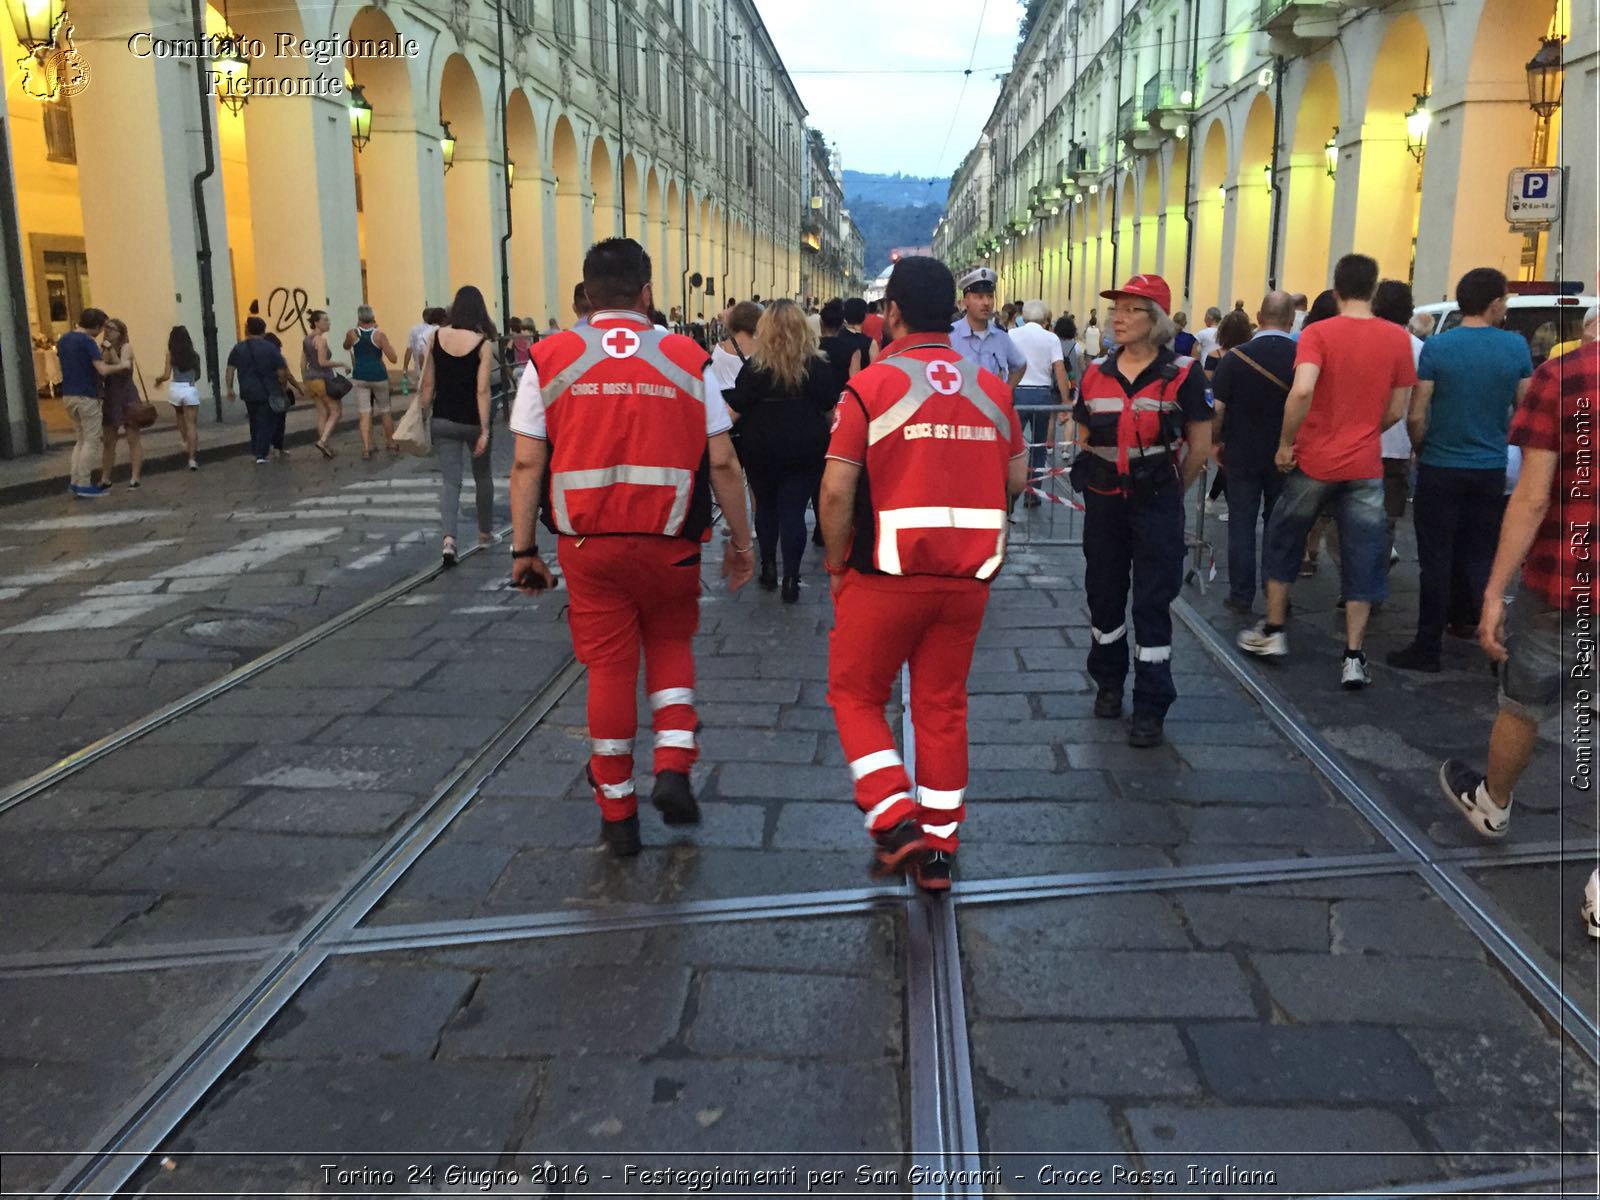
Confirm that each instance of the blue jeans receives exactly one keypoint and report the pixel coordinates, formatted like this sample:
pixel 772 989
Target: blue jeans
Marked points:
pixel 1247 496
pixel 263 424
pixel 1457 513
pixel 1357 506
pixel 1035 425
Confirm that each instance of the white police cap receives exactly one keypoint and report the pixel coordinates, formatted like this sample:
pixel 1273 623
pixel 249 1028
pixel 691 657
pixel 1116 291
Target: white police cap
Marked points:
pixel 978 279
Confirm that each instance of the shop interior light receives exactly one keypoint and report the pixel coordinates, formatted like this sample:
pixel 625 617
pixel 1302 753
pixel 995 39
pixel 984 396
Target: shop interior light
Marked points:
pixel 360 117
pixel 1330 153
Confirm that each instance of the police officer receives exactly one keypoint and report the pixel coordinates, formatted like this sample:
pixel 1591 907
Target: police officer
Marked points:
pixel 632 425
pixel 1137 408
pixel 925 457
pixel 978 337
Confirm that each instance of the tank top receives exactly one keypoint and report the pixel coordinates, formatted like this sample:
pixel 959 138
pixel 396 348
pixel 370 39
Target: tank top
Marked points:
pixel 308 352
pixel 184 376
pixel 455 383
pixel 366 359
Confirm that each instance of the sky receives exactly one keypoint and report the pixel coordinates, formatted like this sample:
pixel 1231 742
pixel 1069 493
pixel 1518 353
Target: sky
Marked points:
pixel 883 80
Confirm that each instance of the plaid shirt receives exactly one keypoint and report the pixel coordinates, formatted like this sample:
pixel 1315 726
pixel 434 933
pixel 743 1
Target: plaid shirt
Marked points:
pixel 1560 407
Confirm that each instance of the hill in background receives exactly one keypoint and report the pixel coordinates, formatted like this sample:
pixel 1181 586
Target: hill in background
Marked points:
pixel 893 210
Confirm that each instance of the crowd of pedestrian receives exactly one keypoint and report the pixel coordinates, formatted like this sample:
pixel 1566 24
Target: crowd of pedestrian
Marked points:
pixel 911 430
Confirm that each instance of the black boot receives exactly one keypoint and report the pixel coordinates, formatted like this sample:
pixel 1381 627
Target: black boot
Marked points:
pixel 791 589
pixel 674 799
pixel 769 574
pixel 1146 730
pixel 1108 704
pixel 932 874
pixel 621 837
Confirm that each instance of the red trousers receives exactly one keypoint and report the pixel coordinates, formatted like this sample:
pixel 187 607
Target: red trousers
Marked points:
pixel 627 592
pixel 880 622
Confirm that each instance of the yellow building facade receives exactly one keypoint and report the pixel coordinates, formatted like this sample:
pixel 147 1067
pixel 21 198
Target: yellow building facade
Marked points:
pixel 1233 146
pixel 501 139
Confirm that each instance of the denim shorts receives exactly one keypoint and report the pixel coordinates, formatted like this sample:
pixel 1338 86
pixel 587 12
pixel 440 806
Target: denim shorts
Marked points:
pixel 1531 676
pixel 1357 506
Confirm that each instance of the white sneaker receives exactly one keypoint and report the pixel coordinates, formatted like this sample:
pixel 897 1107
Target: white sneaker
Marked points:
pixel 1591 904
pixel 1466 789
pixel 193 466
pixel 1256 640
pixel 1353 675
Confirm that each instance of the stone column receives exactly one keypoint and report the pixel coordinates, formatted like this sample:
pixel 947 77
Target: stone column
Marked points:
pixel 303 213
pixel 408 238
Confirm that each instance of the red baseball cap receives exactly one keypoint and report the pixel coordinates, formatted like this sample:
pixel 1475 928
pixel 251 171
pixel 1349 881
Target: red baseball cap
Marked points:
pixel 1147 287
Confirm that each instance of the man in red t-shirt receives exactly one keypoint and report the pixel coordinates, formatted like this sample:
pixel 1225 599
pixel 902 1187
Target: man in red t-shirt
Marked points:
pixel 1548 530
pixel 1353 375
pixel 872 326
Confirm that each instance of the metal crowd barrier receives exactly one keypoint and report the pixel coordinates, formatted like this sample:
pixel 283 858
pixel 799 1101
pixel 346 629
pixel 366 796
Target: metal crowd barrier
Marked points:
pixel 1058 521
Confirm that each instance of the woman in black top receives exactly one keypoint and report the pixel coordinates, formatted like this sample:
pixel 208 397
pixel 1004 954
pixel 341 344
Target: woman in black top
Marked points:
pixel 454 391
pixel 784 400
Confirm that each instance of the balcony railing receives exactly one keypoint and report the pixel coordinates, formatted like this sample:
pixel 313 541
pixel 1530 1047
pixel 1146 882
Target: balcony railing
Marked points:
pixel 1131 119
pixel 1166 91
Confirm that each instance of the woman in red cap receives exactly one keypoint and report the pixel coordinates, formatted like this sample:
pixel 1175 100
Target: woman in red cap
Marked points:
pixel 1137 409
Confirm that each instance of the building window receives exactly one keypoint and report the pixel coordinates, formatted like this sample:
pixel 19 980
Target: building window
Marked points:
pixel 60 146
pixel 566 22
pixel 652 79
pixel 520 14
pixel 675 99
pixel 628 57
pixel 599 58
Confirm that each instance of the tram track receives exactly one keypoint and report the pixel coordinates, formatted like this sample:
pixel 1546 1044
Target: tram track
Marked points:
pixel 59 771
pixel 1443 872
pixel 138 1130
pixel 942 1111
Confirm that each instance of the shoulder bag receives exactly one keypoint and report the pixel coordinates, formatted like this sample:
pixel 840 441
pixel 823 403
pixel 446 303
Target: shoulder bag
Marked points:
pixel 140 413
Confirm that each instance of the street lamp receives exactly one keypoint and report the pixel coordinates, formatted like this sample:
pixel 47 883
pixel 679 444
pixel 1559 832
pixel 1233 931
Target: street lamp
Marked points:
pixel 1418 121
pixel 1330 153
pixel 232 71
pixel 447 144
pixel 1546 74
pixel 34 21
pixel 511 172
pixel 360 117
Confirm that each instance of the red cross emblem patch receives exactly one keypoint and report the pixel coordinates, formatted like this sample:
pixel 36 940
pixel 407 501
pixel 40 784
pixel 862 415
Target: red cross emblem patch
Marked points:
pixel 943 378
pixel 620 343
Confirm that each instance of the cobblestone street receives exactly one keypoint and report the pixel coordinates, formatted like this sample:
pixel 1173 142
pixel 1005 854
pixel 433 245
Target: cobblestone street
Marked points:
pixel 351 910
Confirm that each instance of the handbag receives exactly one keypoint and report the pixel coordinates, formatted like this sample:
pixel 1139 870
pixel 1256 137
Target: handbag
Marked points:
pixel 337 386
pixel 414 434
pixel 140 413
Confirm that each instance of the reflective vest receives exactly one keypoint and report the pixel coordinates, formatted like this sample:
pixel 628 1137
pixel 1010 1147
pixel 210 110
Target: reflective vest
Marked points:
pixel 932 499
pixel 1147 424
pixel 625 418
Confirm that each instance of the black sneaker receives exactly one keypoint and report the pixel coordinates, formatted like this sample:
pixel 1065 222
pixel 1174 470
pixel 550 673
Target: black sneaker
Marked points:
pixel 1146 730
pixel 1414 658
pixel 898 850
pixel 768 579
pixel 791 589
pixel 1459 629
pixel 1243 607
pixel 674 799
pixel 932 873
pixel 1108 704
pixel 622 837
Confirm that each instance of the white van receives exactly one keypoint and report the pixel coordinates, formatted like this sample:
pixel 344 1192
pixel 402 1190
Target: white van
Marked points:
pixel 1545 321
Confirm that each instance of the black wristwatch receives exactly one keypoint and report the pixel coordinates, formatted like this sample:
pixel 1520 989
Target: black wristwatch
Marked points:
pixel 530 552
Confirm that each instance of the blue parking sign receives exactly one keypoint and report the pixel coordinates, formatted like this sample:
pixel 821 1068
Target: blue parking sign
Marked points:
pixel 1533 197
